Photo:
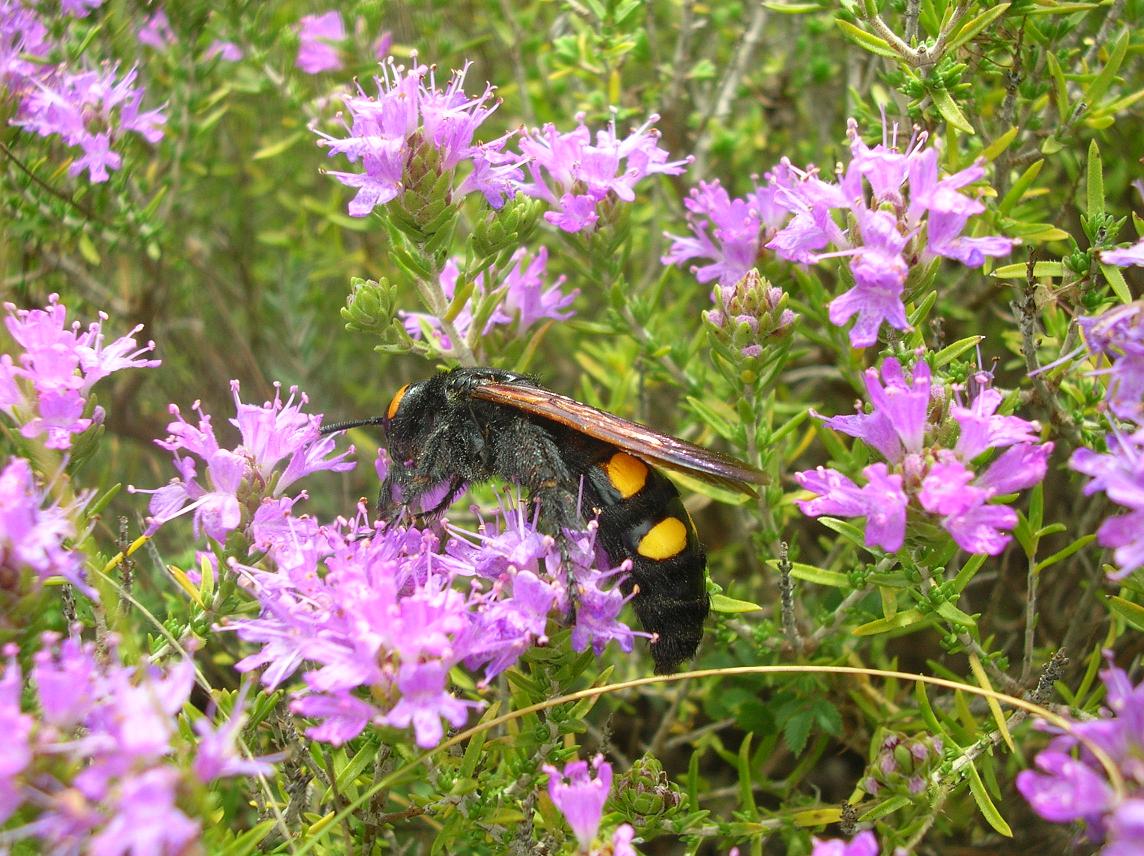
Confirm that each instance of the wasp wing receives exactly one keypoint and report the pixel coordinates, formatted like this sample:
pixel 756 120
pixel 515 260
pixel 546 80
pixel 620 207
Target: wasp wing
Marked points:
pixel 662 449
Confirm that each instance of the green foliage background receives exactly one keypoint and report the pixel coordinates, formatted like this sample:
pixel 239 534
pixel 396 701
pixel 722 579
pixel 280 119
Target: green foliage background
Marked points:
pixel 234 250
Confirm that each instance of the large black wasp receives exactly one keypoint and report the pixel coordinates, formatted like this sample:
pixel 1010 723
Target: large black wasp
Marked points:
pixel 576 462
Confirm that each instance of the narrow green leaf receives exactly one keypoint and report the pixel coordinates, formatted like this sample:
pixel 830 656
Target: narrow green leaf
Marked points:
pixel 992 151
pixel 975 25
pixel 1037 507
pixel 1020 269
pixel 1094 189
pixel 885 625
pixel 1060 86
pixel 952 351
pixel 984 803
pixel 793 8
pixel 926 709
pixel 472 756
pixel 870 42
pixel 994 708
pixel 923 309
pixel 816 575
pixel 248 841
pixel 1099 86
pixel 731 606
pixel 278 147
pixel 1080 543
pixel 951 613
pixel 949 110
pixel 1116 281
pixel 746 792
pixel 1023 182
pixel 968 572
pixel 885 808
pixel 1133 613
pixel 847 530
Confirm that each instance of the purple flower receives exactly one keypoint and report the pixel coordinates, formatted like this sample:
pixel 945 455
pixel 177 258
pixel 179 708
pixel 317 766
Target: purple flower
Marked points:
pixel 425 702
pixel 579 796
pixel 905 214
pixel 1118 335
pixel 376 617
pixel 97 768
pixel 1125 256
pixel 409 113
pixel 574 176
pixel 1071 785
pixel 23 41
pixel 271 435
pixel 46 393
pixel 145 818
pixel 32 531
pixel 881 501
pixel 524 299
pixel 216 754
pixel 79 8
pixel 16 726
pixel 904 420
pixel 862 844
pixel 90 110
pixel 225 51
pixel 1120 475
pixel 729 232
pixel 320 36
pixel 156 32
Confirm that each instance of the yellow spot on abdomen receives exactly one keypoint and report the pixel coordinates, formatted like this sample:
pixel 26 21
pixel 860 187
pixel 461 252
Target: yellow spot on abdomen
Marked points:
pixel 664 540
pixel 391 411
pixel 628 475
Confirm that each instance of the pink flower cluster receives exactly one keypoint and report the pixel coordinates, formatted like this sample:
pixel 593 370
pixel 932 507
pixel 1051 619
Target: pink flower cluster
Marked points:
pixel 93 763
pixel 378 616
pixel 906 418
pixel 44 389
pixel 90 110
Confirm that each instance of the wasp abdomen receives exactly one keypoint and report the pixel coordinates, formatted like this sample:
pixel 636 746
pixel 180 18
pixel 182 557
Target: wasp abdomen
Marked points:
pixel 643 519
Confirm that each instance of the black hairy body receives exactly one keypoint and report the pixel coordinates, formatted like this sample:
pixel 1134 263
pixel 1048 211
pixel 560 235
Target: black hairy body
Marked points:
pixel 475 424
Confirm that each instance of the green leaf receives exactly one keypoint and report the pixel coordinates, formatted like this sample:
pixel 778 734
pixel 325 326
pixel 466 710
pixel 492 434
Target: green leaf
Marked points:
pixel 885 808
pixel 1080 543
pixel 731 606
pixel 952 351
pixel 796 731
pixel 885 625
pixel 951 613
pixel 994 707
pixel 1060 86
pixel 847 530
pixel 949 110
pixel 975 25
pixel 1133 613
pixel 1023 182
pixel 1094 187
pixel 278 147
pixel 816 575
pixel 746 792
pixel 992 151
pixel 968 572
pixel 472 756
pixel 984 803
pixel 1107 75
pixel 1116 282
pixel 793 8
pixel 926 709
pixel 870 42
pixel 1020 270
pixel 248 841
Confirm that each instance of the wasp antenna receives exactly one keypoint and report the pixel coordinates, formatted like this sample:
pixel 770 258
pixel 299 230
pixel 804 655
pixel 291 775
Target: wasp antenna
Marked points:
pixel 356 423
